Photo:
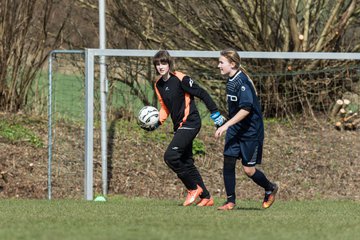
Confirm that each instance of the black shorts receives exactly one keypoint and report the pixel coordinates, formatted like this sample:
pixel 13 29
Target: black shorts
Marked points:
pixel 250 151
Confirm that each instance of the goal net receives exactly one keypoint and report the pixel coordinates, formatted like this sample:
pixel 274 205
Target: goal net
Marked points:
pixel 288 85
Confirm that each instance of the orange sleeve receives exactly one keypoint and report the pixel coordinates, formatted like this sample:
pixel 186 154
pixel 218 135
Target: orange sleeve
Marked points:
pixel 163 112
pixel 180 75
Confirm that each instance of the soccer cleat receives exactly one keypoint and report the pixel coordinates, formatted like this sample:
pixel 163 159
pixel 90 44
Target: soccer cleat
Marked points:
pixel 269 199
pixel 227 206
pixel 192 196
pixel 205 202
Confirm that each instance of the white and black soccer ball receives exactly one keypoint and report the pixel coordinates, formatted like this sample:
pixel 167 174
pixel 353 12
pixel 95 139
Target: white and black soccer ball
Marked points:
pixel 148 116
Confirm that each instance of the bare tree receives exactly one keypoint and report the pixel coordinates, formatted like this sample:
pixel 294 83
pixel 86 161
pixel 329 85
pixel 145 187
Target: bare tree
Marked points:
pixel 28 30
pixel 265 25
pixel 256 25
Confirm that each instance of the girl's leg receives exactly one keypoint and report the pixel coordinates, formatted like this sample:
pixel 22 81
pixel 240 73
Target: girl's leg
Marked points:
pixel 188 137
pixel 172 158
pixel 176 156
pixel 251 154
pixel 258 177
pixel 229 178
pixel 194 172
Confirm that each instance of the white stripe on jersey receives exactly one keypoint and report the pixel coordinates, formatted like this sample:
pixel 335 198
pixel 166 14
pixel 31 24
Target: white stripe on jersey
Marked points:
pixel 233 85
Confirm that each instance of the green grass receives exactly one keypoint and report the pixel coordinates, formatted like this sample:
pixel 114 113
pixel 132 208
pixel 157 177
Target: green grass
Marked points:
pixel 16 133
pixel 139 218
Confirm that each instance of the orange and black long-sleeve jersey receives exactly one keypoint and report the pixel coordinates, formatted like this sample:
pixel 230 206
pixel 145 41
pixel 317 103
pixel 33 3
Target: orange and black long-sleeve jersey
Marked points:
pixel 176 97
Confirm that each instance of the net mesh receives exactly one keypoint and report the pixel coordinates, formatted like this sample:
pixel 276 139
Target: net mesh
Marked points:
pixel 286 88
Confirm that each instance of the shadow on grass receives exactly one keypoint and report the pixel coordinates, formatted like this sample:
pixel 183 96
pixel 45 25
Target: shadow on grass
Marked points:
pixel 235 209
pixel 248 208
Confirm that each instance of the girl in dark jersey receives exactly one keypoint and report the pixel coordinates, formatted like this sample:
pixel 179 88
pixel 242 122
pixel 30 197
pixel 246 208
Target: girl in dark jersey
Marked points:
pixel 244 130
pixel 176 92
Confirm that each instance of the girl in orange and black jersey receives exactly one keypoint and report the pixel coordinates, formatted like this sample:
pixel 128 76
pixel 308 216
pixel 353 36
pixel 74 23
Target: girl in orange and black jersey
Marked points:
pixel 176 92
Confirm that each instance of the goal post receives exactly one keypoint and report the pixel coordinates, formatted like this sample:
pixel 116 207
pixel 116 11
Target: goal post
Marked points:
pixel 89 124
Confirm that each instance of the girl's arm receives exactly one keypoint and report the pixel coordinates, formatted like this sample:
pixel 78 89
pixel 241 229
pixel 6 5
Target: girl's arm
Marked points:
pixel 194 89
pixel 237 118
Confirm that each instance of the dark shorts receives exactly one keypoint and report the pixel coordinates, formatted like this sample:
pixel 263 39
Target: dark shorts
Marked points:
pixel 250 151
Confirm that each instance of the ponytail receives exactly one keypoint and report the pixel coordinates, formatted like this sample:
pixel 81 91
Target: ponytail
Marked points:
pixel 251 81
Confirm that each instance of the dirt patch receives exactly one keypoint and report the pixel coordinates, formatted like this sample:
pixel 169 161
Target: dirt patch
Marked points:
pixel 309 160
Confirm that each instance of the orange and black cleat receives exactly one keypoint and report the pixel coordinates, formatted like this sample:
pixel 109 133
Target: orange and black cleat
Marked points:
pixel 269 199
pixel 227 206
pixel 192 196
pixel 205 202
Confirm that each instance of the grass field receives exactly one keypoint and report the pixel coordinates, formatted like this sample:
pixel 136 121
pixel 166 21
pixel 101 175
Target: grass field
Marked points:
pixel 139 218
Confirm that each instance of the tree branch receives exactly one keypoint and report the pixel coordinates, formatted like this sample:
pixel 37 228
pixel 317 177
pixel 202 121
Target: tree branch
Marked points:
pixel 327 27
pixel 294 31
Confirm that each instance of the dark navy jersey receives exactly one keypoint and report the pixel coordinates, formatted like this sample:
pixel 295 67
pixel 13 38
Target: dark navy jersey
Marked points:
pixel 176 97
pixel 241 95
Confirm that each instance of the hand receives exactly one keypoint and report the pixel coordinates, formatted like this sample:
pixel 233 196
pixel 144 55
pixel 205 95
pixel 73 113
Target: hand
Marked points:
pixel 218 119
pixel 220 131
pixel 150 128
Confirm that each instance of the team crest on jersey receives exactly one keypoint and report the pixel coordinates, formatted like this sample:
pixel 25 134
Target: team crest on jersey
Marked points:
pixel 243 88
pixel 191 82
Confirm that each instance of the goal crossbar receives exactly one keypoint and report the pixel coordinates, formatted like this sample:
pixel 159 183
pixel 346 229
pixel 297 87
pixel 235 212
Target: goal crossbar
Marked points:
pixel 216 54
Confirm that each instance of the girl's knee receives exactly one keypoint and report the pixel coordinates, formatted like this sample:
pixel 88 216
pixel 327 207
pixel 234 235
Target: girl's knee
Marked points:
pixel 249 171
pixel 172 158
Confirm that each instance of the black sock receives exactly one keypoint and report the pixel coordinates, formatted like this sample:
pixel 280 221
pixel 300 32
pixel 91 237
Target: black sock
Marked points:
pixel 229 178
pixel 260 179
pixel 195 175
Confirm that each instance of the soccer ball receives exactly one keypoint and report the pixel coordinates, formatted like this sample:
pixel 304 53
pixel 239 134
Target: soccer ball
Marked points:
pixel 148 116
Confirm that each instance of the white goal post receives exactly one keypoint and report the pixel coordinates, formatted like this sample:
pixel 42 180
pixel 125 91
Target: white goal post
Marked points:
pixel 90 55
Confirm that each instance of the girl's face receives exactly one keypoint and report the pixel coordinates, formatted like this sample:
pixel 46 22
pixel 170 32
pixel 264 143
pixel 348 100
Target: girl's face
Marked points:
pixel 226 68
pixel 163 68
